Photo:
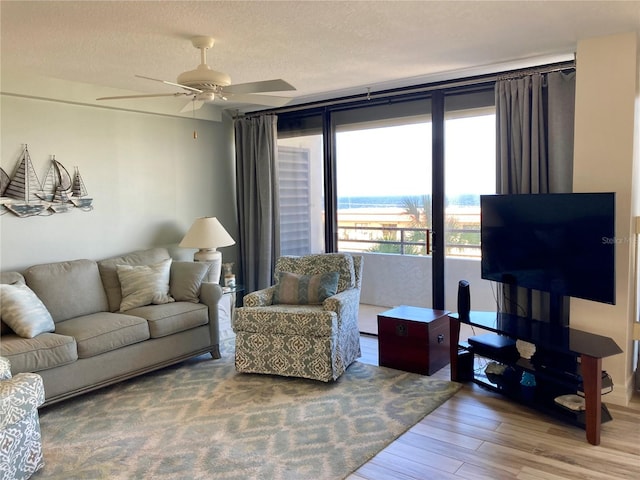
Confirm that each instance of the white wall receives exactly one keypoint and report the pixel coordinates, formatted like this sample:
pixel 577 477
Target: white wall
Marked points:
pixel 149 178
pixel 392 280
pixel 604 160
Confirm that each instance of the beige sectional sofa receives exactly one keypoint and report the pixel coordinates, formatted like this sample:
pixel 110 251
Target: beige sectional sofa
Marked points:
pixel 85 324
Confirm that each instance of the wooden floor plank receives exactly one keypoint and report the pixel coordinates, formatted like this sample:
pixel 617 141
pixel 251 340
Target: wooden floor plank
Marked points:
pixel 450 436
pixel 417 454
pixel 470 471
pixel 451 412
pixel 373 471
pixel 411 468
pixel 529 474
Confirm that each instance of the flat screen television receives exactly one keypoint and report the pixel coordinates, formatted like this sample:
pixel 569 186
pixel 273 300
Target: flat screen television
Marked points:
pixel 560 243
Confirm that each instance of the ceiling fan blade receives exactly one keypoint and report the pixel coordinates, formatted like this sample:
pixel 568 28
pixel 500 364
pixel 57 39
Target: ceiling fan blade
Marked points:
pixel 276 85
pixel 268 100
pixel 170 83
pixel 177 94
pixel 192 105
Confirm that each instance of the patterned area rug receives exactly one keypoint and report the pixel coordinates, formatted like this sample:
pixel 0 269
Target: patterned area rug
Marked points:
pixel 202 420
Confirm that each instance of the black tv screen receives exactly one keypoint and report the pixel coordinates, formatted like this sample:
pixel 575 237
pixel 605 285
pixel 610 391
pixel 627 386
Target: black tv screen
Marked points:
pixel 561 243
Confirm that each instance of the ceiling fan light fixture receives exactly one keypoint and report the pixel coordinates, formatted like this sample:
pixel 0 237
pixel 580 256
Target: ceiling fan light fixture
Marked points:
pixel 203 75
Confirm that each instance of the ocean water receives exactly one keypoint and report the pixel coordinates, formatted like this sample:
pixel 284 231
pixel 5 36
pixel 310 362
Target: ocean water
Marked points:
pixel 399 201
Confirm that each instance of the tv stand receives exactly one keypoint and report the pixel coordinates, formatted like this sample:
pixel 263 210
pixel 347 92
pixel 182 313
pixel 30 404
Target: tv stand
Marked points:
pixel 566 343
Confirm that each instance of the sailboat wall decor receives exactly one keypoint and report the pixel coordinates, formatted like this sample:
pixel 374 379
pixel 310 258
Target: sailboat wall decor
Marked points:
pixel 57 188
pixel 4 183
pixel 23 195
pixel 24 189
pixel 80 196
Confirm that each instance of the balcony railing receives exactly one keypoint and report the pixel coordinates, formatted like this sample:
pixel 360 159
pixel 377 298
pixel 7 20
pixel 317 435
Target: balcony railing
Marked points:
pixel 407 241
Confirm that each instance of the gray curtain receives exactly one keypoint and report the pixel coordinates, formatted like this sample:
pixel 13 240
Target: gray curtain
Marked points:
pixel 257 197
pixel 534 152
pixel 534 121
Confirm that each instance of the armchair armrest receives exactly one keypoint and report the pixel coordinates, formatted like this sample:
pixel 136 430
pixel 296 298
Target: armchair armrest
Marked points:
pixel 24 392
pixel 345 304
pixel 5 369
pixel 349 296
pixel 259 298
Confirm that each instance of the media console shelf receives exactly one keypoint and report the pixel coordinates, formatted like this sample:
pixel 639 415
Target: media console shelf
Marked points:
pixel 574 364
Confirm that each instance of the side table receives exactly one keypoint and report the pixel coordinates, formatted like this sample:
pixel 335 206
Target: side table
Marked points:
pixel 233 291
pixel 413 339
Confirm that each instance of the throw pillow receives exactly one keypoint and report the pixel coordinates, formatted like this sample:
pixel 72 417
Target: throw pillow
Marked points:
pixel 294 289
pixel 321 263
pixel 144 284
pixel 23 311
pixel 186 279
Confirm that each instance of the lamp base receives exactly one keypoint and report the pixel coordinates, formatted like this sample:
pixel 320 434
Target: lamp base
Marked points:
pixel 212 257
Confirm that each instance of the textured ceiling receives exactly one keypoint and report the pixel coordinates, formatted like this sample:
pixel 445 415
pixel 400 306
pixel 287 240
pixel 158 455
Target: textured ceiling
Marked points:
pixel 324 48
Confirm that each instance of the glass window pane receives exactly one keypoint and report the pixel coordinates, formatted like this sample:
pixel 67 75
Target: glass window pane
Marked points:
pixel 383 172
pixel 470 172
pixel 301 193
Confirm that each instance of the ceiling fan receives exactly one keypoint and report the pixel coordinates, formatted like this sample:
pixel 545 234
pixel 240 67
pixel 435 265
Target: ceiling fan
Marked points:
pixel 206 85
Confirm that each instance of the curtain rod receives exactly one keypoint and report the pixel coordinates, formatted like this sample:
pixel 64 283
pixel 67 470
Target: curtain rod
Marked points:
pixel 530 71
pixel 425 88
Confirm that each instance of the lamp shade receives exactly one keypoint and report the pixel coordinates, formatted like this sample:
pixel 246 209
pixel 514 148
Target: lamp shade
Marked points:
pixel 207 232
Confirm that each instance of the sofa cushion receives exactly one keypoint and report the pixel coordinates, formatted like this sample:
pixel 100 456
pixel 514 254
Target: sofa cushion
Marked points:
pixel 109 274
pixel 12 278
pixel 321 263
pixel 186 280
pixel 105 331
pixel 144 284
pixel 45 351
pixel 294 289
pixel 23 311
pixel 172 317
pixel 68 289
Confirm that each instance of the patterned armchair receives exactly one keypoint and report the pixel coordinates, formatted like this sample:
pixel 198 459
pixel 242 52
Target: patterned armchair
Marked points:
pixel 20 442
pixel 306 325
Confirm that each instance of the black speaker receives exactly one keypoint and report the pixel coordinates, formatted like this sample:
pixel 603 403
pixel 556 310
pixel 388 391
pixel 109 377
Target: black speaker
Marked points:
pixel 464 300
pixel 465 366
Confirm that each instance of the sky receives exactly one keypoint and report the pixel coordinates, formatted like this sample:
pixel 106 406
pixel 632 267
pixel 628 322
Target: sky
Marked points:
pixel 396 161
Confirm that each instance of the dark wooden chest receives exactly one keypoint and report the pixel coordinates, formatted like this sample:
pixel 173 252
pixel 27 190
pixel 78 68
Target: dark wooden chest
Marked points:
pixel 413 339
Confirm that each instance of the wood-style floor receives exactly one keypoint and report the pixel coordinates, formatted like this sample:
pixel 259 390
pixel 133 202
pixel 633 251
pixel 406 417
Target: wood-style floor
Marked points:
pixel 480 435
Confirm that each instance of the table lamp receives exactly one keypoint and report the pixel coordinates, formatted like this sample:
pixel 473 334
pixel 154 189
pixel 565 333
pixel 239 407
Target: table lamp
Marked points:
pixel 207 234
